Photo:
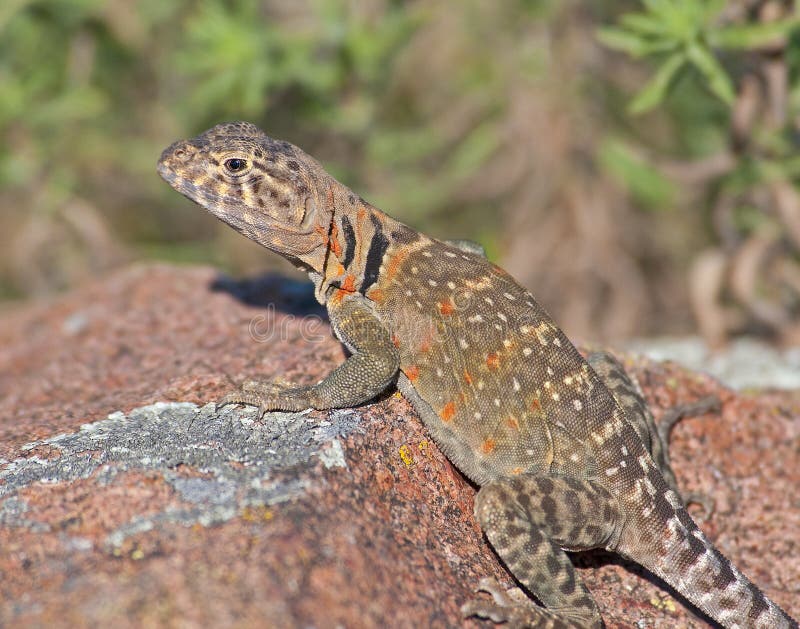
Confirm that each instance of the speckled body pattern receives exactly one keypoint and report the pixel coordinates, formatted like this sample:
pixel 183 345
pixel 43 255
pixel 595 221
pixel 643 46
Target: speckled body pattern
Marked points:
pixel 564 449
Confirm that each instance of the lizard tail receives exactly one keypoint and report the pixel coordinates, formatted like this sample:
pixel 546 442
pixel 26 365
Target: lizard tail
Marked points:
pixel 691 564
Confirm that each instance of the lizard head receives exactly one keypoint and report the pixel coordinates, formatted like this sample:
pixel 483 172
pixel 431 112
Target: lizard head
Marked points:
pixel 269 190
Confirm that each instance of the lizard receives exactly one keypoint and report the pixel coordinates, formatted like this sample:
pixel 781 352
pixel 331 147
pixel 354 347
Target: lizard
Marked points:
pixel 563 448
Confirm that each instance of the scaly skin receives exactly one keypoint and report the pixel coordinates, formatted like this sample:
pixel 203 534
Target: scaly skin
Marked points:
pixel 564 450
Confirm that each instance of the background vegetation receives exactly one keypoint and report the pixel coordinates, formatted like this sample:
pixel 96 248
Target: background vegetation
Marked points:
pixel 634 163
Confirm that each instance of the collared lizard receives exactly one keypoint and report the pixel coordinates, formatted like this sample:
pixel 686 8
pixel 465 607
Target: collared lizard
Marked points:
pixel 563 448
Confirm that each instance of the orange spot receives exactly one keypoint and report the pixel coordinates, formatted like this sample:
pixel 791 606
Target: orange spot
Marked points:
pixel 395 341
pixel 536 405
pixel 425 346
pixel 513 423
pixel 349 284
pixel 446 308
pixel 393 265
pixel 412 372
pixel 488 446
pixel 339 270
pixel 376 294
pixel 335 246
pixel 493 361
pixel 467 377
pixel 338 295
pixel 517 470
pixel 448 412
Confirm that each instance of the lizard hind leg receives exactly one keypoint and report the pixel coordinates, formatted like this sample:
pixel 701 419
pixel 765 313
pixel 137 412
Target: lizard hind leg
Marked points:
pixel 529 520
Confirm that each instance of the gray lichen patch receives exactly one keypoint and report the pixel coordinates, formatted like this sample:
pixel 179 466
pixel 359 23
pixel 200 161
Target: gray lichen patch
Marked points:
pixel 235 456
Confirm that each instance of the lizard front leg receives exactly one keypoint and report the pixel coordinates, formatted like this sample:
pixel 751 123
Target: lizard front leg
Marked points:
pixel 369 371
pixel 528 520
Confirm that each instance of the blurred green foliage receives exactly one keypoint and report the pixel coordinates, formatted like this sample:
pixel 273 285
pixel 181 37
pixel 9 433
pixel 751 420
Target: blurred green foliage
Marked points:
pixel 492 121
pixel 686 33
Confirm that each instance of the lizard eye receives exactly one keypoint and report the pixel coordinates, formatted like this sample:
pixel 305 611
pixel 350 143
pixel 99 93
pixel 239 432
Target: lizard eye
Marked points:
pixel 235 165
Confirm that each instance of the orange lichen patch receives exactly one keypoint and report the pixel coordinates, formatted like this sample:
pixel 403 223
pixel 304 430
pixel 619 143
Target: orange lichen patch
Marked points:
pixel 488 446
pixel 349 284
pixel 467 377
pixel 446 307
pixel 376 294
pixel 412 372
pixel 448 412
pixel 493 361
pixel 512 422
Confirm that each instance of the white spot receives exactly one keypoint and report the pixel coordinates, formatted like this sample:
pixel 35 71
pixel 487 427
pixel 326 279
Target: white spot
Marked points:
pixel 419 305
pixel 480 385
pixel 531 304
pixel 432 282
pixel 488 300
pixel 556 342
pixel 525 329
pixel 509 296
pixel 547 384
pixel 427 254
pixel 550 371
pixel 515 382
pixel 466 257
pixel 568 380
pixel 611 471
pixel 497 402
pixel 451 285
pixel 478 415
pixel 414 270
pixel 578 405
pixel 439 372
pixel 446 358
pixel 501 316
pixel 463 343
pixel 556 397
pixel 408 293
pixel 623 464
pixel 506 343
pixel 529 452
pixel 624 451
pixel 574 457
pixel 475 319
pixel 499 327
pixel 450 254
pixel 527 351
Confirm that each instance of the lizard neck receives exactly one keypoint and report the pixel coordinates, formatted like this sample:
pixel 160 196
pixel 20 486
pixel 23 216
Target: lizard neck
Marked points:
pixel 359 236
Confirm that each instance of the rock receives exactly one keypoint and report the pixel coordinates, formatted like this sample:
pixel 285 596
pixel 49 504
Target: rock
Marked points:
pixel 126 498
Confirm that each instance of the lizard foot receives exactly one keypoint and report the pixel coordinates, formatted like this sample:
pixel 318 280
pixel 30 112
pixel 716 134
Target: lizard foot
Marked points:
pixel 513 607
pixel 278 395
pixel 503 605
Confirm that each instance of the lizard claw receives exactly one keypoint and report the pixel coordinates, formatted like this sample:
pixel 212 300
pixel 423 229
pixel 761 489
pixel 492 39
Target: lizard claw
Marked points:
pixel 244 398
